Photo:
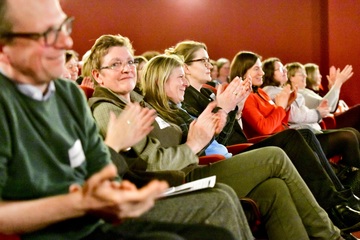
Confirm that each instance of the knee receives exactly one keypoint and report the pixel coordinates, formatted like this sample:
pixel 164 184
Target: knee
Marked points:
pixel 271 194
pixel 272 188
pixel 277 154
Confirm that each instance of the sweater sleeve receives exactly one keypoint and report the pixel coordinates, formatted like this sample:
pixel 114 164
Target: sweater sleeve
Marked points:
pixel 333 98
pixel 96 152
pixel 5 147
pixel 313 100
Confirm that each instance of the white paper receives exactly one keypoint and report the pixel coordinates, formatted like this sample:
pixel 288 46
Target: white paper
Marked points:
pixel 208 182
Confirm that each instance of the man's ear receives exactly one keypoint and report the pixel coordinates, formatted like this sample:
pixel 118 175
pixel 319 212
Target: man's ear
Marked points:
pixel 3 57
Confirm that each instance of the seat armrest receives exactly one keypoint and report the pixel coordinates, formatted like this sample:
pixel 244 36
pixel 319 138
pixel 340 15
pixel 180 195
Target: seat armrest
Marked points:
pixel 9 237
pixel 238 148
pixel 206 160
pixel 329 122
pixel 257 139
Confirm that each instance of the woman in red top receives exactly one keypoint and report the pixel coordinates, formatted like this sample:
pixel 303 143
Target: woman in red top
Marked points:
pixel 261 115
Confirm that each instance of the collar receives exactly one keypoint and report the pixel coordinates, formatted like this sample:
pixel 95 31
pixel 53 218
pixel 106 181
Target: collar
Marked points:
pixel 35 93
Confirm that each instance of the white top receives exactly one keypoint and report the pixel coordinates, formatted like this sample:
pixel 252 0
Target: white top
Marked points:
pixel 300 115
pixel 313 100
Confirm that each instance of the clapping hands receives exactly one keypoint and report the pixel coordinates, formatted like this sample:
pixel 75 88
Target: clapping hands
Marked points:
pixel 132 125
pixel 339 77
pixel 115 201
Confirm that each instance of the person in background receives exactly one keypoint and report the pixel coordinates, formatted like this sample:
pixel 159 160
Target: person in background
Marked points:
pixel 344 115
pixel 150 54
pixel 81 80
pixel 275 77
pixel 343 141
pixel 214 75
pixel 223 65
pixel 140 62
pixel 72 64
pixel 214 71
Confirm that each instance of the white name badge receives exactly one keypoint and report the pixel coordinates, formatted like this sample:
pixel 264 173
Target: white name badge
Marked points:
pixel 76 154
pixel 162 124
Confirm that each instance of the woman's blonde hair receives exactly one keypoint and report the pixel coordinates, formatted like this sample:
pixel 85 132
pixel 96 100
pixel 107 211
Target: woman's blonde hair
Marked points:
pixel 154 76
pixel 186 49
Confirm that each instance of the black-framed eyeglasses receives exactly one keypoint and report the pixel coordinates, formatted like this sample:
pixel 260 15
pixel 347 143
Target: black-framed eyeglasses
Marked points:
pixel 120 65
pixel 205 61
pixel 50 36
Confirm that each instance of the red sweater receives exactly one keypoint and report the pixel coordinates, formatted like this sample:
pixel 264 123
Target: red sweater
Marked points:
pixel 261 116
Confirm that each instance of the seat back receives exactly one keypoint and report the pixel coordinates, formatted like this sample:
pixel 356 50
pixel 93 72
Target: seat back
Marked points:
pixel 9 237
pixel 88 91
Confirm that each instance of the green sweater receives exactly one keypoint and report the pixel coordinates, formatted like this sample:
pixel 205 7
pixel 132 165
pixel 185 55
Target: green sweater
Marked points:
pixel 45 147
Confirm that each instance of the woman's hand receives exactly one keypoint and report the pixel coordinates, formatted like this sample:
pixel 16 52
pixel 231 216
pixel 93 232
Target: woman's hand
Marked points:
pixel 323 108
pixel 132 125
pixel 202 129
pixel 337 77
pixel 245 92
pixel 282 98
pixel 228 99
pixel 343 75
pixel 87 82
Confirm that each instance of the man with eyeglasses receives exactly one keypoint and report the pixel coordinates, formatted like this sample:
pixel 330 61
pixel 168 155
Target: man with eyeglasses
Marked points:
pixel 56 179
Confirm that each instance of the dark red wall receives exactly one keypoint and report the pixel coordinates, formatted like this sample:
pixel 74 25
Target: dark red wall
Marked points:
pixel 344 43
pixel 296 30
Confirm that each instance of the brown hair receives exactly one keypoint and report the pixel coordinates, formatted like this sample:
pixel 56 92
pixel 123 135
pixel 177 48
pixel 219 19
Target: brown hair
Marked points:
pixel 243 61
pixel 268 67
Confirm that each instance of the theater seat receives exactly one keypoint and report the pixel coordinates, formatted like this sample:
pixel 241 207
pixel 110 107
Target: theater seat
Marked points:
pixel 88 91
pixel 9 237
pixel 328 122
pixel 234 149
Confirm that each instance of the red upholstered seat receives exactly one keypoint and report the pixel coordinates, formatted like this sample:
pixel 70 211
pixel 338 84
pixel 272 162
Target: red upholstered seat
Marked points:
pixel 88 91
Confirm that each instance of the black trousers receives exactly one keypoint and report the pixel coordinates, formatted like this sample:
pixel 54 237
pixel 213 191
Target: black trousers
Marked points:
pixel 141 230
pixel 343 142
pixel 307 163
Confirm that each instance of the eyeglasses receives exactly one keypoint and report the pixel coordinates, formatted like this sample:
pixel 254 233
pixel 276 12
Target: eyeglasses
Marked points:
pixel 281 69
pixel 119 65
pixel 301 74
pixel 205 61
pixel 50 36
